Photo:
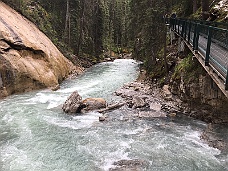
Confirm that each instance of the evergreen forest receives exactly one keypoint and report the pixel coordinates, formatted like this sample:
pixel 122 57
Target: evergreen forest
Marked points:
pixel 90 28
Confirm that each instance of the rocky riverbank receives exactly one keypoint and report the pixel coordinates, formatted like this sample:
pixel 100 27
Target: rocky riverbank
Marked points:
pixel 148 102
pixel 146 97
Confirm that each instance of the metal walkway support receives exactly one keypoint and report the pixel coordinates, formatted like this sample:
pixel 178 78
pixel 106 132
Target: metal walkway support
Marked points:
pixel 209 43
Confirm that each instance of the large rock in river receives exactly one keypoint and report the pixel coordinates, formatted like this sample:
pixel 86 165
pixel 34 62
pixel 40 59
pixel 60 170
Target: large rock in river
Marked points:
pixel 28 59
pixel 94 103
pixel 73 104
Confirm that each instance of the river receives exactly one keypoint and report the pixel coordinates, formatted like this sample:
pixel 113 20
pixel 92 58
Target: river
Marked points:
pixel 35 135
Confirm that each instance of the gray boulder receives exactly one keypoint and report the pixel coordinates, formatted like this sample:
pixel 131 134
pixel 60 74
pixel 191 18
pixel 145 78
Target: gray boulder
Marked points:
pixel 73 104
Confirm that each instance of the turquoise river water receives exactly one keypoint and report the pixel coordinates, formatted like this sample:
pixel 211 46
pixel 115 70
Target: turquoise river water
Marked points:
pixel 35 135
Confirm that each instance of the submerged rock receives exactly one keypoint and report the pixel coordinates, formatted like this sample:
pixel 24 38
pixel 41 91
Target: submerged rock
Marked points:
pixel 102 118
pixel 28 58
pixel 55 88
pixel 213 139
pixel 129 165
pixel 151 114
pixel 172 114
pixel 73 104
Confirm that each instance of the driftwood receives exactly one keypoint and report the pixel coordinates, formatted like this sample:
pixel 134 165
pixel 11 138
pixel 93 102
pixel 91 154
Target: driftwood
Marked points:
pixel 111 107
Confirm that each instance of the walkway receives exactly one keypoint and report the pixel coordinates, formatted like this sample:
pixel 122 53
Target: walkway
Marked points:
pixel 210 46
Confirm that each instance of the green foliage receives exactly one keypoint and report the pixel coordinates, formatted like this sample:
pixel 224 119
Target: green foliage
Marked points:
pixel 16 4
pixel 183 8
pixel 38 15
pixel 116 14
pixel 158 71
pixel 93 26
pixel 189 69
pixel 197 15
pixel 147 29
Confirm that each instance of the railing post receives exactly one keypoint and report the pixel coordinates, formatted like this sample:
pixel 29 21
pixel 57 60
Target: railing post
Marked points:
pixel 178 30
pixel 177 25
pixel 171 22
pixel 196 37
pixel 226 37
pixel 189 31
pixel 174 23
pixel 226 83
pixel 208 46
pixel 183 28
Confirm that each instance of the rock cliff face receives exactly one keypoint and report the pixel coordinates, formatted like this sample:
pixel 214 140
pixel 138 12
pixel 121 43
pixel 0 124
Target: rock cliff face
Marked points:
pixel 203 90
pixel 28 59
pixel 204 93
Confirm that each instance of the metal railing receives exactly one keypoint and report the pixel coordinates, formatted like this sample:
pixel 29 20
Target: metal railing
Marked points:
pixel 210 41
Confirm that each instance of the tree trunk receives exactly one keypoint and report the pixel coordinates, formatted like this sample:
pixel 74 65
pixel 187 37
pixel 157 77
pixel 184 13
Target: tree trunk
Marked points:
pixel 67 23
pixel 165 50
pixel 195 6
pixel 82 18
pixel 69 34
pixel 205 9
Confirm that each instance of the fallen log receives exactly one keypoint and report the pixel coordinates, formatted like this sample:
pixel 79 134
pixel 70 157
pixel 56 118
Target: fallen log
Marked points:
pixel 111 107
